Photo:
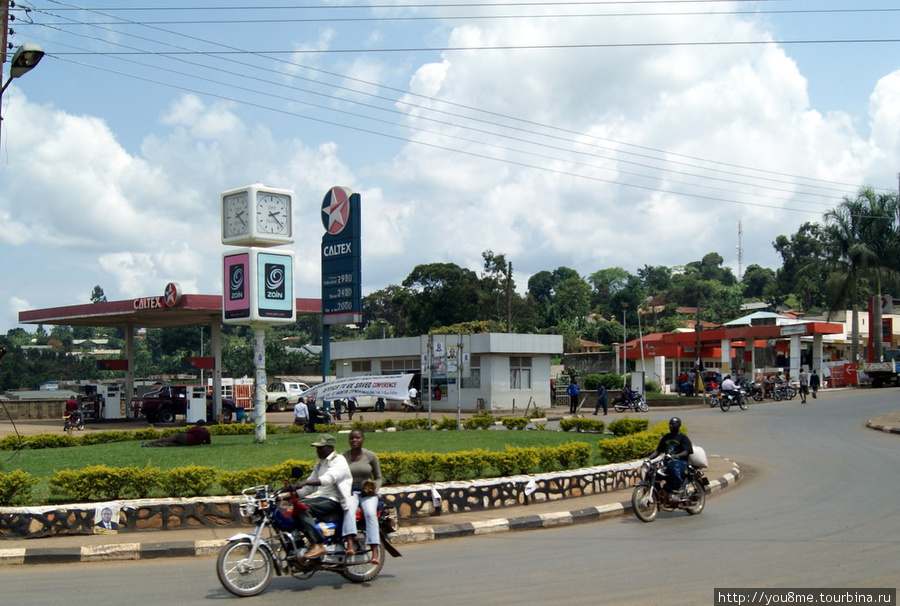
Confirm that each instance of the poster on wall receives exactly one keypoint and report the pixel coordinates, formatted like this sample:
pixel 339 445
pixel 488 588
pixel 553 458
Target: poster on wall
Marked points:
pixel 106 519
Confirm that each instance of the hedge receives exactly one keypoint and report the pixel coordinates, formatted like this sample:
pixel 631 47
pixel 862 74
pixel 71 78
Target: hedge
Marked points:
pixel 634 446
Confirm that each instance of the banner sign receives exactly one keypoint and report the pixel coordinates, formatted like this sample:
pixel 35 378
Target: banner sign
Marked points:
pixel 389 387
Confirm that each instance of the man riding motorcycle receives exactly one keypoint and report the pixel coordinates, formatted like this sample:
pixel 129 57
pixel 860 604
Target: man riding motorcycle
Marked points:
pixel 677 447
pixel 324 493
pixel 730 388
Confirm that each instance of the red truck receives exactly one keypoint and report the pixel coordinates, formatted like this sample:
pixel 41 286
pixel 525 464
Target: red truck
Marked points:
pixel 163 404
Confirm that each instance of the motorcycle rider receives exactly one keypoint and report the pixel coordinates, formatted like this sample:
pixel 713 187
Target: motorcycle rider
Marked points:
pixel 729 387
pixel 677 447
pixel 324 493
pixel 73 408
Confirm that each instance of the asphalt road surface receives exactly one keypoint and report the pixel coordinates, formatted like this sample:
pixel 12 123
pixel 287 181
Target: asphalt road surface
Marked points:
pixel 816 507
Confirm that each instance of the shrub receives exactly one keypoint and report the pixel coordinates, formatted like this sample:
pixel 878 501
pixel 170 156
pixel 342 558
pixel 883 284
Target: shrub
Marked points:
pixel 514 422
pixel 633 446
pixel 96 482
pixel 447 423
pixel 422 466
pixel 47 440
pixel 582 425
pixel 537 413
pixel 13 442
pixel 454 466
pixel 628 426
pixel 238 429
pixel 193 480
pixel 420 423
pixel 482 420
pixel 392 466
pixel 651 386
pixel 573 454
pixel 16 486
pixel 372 425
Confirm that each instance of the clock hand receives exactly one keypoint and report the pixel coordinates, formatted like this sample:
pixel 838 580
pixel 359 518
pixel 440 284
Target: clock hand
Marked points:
pixel 275 217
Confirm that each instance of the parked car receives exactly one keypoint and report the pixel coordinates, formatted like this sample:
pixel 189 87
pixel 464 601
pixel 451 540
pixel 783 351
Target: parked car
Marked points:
pixel 282 395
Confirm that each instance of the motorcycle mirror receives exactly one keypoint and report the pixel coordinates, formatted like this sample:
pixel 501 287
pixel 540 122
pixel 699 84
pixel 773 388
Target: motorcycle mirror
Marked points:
pixel 296 472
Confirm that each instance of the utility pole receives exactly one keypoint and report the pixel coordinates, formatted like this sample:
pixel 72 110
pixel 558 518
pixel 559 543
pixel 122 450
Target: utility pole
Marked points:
pixel 509 299
pixel 740 250
pixel 4 20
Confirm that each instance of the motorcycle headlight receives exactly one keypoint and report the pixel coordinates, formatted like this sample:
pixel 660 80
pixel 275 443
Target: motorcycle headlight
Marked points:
pixel 248 507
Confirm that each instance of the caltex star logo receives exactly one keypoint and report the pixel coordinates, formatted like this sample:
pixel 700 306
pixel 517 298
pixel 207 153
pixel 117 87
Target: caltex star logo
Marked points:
pixel 336 210
pixel 172 294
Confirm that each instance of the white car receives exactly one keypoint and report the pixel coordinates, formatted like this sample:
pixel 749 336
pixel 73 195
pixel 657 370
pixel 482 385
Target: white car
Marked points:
pixel 282 395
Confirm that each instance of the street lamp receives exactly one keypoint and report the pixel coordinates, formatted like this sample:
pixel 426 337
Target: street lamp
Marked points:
pixel 26 57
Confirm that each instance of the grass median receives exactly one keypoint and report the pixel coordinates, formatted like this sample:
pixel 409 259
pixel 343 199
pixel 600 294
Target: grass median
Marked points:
pixel 240 452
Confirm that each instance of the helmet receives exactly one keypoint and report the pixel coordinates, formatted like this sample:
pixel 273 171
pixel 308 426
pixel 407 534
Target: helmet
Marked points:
pixel 674 424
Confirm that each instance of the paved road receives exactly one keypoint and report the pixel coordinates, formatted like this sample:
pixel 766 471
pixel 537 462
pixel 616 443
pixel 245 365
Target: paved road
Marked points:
pixel 817 507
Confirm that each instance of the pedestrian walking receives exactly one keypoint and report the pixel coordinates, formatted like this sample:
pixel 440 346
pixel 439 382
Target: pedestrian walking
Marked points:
pixel 601 400
pixel 804 384
pixel 814 383
pixel 573 392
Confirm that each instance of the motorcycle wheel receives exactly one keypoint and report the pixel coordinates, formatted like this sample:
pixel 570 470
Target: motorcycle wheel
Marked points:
pixel 724 404
pixel 744 403
pixel 790 393
pixel 696 498
pixel 757 396
pixel 642 405
pixel 241 576
pixel 776 395
pixel 365 571
pixel 643 504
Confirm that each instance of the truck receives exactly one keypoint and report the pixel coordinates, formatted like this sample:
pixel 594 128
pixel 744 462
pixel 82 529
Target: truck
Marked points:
pixel 882 373
pixel 164 403
pixel 282 395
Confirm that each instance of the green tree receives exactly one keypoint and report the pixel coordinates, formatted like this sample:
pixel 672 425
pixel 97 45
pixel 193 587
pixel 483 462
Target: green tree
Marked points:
pixel 97 295
pixel 862 241
pixel 439 294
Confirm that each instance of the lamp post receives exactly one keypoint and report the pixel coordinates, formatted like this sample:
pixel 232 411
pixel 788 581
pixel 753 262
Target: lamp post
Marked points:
pixel 26 57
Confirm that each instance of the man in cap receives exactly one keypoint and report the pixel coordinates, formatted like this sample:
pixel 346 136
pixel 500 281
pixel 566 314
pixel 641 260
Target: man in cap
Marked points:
pixel 324 493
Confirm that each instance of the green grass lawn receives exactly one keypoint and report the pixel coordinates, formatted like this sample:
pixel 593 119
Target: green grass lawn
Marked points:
pixel 235 453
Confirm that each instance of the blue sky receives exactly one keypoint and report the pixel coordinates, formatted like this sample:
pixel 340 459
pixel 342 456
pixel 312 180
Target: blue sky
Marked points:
pixel 579 134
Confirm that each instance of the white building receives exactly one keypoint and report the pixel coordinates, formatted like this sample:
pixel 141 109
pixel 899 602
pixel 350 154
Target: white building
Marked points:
pixel 495 370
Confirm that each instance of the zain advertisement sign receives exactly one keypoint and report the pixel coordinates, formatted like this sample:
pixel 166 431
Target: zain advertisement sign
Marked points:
pixel 258 286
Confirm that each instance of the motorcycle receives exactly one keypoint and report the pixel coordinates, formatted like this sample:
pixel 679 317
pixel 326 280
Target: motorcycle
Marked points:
pixel 72 420
pixel 630 400
pixel 784 391
pixel 725 400
pixel 247 562
pixel 414 406
pixel 650 496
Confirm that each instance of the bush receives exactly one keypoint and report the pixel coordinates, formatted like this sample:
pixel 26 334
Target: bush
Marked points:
pixel 447 423
pixel 393 465
pixel 514 422
pixel 573 454
pixel 16 486
pixel 482 420
pixel 633 446
pixel 420 423
pixel 97 482
pixel 422 466
pixel 47 440
pixel 651 386
pixel 193 480
pixel 628 426
pixel 372 425
pixel 582 425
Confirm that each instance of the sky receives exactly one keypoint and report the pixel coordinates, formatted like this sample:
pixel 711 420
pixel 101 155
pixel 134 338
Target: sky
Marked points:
pixel 584 134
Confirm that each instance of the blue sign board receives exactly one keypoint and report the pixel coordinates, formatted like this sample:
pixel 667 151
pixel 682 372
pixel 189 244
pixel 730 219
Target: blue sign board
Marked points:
pixel 341 257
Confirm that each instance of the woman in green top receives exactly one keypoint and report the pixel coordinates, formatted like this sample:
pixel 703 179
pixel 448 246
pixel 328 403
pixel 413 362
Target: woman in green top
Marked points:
pixel 366 472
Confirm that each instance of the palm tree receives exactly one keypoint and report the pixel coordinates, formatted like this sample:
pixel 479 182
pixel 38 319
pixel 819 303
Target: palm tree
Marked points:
pixel 862 236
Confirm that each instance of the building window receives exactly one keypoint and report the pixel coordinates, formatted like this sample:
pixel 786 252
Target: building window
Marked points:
pixel 400 366
pixel 362 366
pixel 520 372
pixel 473 381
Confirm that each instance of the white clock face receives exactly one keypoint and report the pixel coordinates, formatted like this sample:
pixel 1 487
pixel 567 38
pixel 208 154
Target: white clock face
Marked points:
pixel 273 214
pixel 237 215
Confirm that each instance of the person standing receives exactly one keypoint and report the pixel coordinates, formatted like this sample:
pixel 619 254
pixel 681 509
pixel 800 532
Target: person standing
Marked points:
pixel 301 414
pixel 573 392
pixel 803 377
pixel 814 383
pixel 324 493
pixel 366 472
pixel 601 399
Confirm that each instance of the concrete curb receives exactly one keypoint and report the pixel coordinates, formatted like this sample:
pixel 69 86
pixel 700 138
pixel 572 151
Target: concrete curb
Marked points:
pixel 873 424
pixel 410 534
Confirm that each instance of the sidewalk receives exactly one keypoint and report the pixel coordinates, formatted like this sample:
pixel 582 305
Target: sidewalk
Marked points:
pixel 207 541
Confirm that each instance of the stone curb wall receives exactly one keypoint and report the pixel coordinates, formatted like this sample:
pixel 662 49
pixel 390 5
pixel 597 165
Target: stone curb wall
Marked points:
pixel 414 501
